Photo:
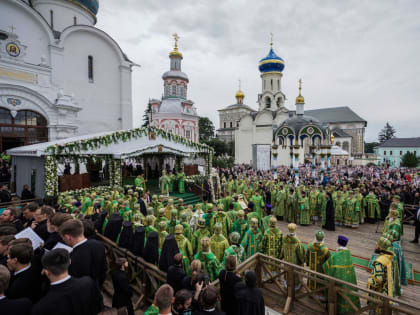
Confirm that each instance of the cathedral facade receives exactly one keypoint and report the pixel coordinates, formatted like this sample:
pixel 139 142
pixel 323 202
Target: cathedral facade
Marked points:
pixel 174 112
pixel 58 73
pixel 254 132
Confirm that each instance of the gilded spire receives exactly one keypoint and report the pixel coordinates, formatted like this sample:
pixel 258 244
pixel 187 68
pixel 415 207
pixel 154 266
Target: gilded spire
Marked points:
pixel 271 39
pixel 300 99
pixel 240 95
pixel 175 52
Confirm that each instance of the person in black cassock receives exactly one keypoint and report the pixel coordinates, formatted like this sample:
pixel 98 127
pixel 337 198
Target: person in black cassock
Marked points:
pixel 88 255
pixel 138 241
pixel 330 215
pixel 122 290
pixel 169 250
pixel 249 299
pixel 126 235
pixel 151 251
pixel 100 220
pixel 227 279
pixel 26 193
pixel 40 223
pixel 67 295
pixel 113 227
pixel 142 204
pixel 53 224
pixel 176 273
pixel 208 301
pixel 11 307
pixel 26 279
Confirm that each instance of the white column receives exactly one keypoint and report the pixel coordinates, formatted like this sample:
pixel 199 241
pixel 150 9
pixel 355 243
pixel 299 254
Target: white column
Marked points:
pixel 126 97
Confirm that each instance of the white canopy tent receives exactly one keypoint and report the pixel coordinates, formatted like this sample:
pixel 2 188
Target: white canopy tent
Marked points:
pixel 115 146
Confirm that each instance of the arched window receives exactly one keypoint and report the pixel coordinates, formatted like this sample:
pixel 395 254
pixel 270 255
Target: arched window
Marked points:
pixel 173 90
pixel 231 124
pixel 271 84
pixel 224 124
pixel 75 20
pixel 27 127
pixel 267 102
pixel 278 85
pixel 90 68
pixel 346 146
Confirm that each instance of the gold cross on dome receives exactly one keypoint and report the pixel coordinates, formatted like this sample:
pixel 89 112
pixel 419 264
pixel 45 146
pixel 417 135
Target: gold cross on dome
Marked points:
pixel 12 28
pixel 239 83
pixel 300 85
pixel 176 38
pixel 271 39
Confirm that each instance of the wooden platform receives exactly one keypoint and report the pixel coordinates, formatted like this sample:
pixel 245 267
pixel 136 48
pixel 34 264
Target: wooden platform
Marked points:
pixel 362 242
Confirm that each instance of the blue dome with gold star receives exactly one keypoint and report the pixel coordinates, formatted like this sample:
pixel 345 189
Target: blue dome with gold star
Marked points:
pixel 271 63
pixel 92 6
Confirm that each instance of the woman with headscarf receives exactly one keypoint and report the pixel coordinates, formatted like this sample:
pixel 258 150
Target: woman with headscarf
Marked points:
pixel 169 250
pixel 137 247
pixel 151 251
pixel 113 227
pixel 126 237
pixel 329 214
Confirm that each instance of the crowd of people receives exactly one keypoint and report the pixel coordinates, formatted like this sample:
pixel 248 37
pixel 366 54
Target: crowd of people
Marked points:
pixel 199 244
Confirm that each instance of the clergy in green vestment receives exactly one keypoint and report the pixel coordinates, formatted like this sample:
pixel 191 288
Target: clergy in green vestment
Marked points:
pixel 252 239
pixel 162 233
pixel 339 205
pixel 181 185
pixel 392 224
pixel 293 251
pixel 258 203
pixel 316 255
pixel 382 275
pixel 340 266
pixel 291 205
pixel 184 246
pixel 280 206
pixel 185 224
pixel 199 234
pixel 209 262
pixel 235 249
pixel 171 178
pixel 240 225
pixel 139 182
pixel 272 240
pixel 305 212
pixel 222 218
pixel 372 205
pixel 173 222
pixel 218 242
pixel 164 184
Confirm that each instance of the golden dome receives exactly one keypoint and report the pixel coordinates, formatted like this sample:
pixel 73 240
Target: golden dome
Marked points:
pixel 300 99
pixel 240 94
pixel 175 51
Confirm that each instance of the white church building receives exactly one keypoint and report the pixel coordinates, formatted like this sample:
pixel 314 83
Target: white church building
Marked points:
pixel 174 112
pixel 60 76
pixel 255 133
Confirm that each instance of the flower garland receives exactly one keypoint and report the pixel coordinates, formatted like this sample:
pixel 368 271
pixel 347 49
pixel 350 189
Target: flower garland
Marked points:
pixel 51 176
pixel 124 136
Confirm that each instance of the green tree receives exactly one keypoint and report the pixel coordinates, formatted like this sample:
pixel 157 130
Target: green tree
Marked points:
pixel 386 133
pixel 219 146
pixel 206 129
pixel 409 159
pixel 148 110
pixel 369 146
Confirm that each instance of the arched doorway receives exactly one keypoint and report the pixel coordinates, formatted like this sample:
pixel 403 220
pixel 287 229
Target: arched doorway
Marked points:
pixel 27 127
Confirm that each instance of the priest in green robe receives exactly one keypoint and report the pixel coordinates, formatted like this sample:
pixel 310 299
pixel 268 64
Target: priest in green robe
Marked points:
pixel 181 182
pixel 305 212
pixel 218 242
pixel 139 182
pixel 252 239
pixel 340 266
pixel 371 204
pixel 258 203
pixel 280 204
pixel 235 249
pixel 164 184
pixel 222 218
pixel 316 255
pixel 293 251
pixel 184 246
pixel 392 224
pixel 272 240
pixel 199 234
pixel 241 225
pixel 209 262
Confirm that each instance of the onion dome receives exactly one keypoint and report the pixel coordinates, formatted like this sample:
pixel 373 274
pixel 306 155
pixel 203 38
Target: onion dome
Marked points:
pixel 240 95
pixel 271 63
pixel 92 6
pixel 300 99
pixel 175 52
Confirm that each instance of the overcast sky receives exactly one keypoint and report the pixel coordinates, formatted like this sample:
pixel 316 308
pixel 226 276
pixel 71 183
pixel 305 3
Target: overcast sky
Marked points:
pixel 364 54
